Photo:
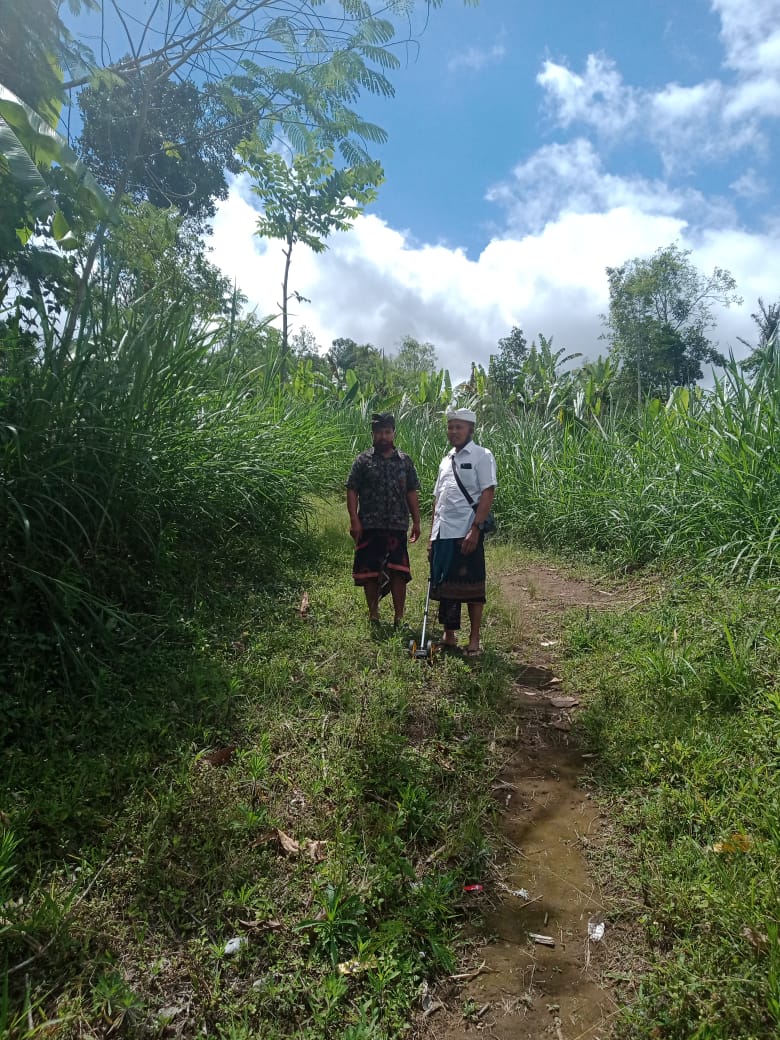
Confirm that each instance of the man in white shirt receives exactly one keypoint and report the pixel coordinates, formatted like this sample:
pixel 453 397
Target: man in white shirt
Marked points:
pixel 456 547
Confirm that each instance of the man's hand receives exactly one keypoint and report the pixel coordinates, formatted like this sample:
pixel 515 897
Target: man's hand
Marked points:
pixel 470 542
pixel 415 535
pixel 355 530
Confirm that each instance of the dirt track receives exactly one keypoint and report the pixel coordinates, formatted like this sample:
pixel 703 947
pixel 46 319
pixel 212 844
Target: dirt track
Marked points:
pixel 517 986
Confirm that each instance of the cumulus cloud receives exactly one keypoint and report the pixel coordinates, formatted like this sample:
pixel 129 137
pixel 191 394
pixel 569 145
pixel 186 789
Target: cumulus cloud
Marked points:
pixel 687 123
pixel 598 97
pixel 749 185
pixel 750 32
pixel 574 172
pixel 375 284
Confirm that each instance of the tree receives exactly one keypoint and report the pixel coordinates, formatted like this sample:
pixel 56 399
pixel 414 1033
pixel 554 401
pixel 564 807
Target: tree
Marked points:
pixel 412 361
pixel 304 345
pixel 289 72
pixel 593 385
pixel 304 200
pixel 45 194
pixel 183 150
pixel 660 311
pixel 768 320
pixel 505 367
pixel 286 72
pixel 159 254
pixel 543 385
pixel 35 45
pixel 361 358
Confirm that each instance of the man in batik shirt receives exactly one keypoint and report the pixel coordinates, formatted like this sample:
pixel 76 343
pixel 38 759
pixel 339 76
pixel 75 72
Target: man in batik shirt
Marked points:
pixel 382 493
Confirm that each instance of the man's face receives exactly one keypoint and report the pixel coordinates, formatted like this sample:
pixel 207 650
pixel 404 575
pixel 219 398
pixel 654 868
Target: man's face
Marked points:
pixel 459 432
pixel 383 438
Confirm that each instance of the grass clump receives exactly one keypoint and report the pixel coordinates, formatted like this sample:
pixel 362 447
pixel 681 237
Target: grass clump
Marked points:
pixel 684 717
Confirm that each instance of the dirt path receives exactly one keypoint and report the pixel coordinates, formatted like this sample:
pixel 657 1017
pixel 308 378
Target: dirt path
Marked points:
pixel 518 986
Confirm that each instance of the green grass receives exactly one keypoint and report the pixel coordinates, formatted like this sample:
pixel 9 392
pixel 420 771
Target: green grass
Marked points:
pixel 156 542
pixel 138 860
pixel 697 480
pixel 684 718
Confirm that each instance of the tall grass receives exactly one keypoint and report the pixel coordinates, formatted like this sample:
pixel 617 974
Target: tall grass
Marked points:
pixel 698 479
pixel 132 456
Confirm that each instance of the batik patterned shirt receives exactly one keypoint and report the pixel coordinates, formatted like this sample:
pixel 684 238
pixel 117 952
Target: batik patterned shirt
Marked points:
pixel 382 485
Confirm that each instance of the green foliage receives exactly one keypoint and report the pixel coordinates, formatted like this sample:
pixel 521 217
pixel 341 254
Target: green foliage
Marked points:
pixel 155 139
pixel 767 318
pixel 35 44
pixel 696 479
pixel 193 753
pixel 158 256
pixel 135 446
pixel 506 367
pixel 364 360
pixel 684 718
pixel 305 201
pixel 660 311
pixel 28 148
pixel 411 362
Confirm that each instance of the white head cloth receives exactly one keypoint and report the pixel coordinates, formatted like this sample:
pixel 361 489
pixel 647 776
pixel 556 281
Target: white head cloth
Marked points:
pixel 464 414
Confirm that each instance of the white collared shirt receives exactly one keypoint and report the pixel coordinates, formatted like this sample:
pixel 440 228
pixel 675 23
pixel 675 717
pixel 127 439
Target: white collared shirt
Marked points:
pixel 477 470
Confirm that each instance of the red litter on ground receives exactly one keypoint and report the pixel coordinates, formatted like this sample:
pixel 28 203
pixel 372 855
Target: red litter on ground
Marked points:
pixel 472 888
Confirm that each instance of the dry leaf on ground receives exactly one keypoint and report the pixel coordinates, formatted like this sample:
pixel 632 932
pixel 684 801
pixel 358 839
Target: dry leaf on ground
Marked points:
pixel 288 844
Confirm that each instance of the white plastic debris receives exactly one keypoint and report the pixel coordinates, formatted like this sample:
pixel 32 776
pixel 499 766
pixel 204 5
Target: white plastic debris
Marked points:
pixel 542 940
pixel 234 945
pixel 596 929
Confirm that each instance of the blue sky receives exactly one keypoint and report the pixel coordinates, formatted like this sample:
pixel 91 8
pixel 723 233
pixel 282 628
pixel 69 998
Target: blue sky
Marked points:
pixel 531 145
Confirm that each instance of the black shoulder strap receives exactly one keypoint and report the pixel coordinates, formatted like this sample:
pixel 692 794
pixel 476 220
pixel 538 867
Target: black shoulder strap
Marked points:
pixel 469 499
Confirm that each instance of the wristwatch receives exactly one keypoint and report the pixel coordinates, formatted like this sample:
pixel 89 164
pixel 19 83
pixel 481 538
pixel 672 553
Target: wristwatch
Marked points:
pixel 480 526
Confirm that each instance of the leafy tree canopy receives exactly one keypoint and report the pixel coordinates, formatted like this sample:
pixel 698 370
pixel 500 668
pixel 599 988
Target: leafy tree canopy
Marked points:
pixel 307 198
pixel 304 200
pixel 177 155
pixel 35 46
pixel 660 311
pixel 361 358
pixel 506 366
pixel 159 253
pixel 413 358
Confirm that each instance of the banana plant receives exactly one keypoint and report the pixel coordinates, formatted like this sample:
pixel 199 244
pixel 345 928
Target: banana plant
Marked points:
pixel 29 147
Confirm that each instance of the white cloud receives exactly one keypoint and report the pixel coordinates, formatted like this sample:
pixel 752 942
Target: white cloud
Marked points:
pixel 375 285
pixel 749 185
pixel 687 123
pixel 598 98
pixel 574 172
pixel 566 218
pixel 754 98
pixel 750 31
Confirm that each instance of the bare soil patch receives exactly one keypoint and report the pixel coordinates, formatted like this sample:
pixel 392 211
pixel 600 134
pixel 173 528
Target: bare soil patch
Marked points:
pixel 541 965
